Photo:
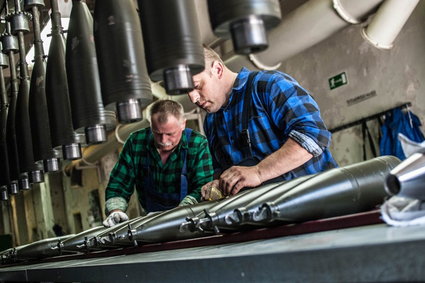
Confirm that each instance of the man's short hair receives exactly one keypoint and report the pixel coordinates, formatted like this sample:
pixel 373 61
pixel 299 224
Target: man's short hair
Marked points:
pixel 166 107
pixel 210 56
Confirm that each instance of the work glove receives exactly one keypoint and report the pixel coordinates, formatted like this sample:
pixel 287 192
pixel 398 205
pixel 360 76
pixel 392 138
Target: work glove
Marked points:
pixel 114 218
pixel 188 200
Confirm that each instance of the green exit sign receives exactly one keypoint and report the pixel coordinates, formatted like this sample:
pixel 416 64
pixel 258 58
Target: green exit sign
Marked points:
pixel 338 80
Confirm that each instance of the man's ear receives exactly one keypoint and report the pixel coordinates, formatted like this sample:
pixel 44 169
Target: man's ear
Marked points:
pixel 217 69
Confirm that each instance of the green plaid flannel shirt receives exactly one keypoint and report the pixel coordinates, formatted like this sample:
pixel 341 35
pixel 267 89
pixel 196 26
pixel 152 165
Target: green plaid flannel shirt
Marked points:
pixel 128 171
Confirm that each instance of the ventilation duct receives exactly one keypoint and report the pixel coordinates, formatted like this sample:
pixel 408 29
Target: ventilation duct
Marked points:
pixel 388 22
pixel 57 94
pixel 40 126
pixel 121 58
pixel 85 95
pixel 172 42
pixel 246 21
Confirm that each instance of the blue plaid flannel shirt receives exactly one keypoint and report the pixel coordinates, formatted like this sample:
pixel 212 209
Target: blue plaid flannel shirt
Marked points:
pixel 281 108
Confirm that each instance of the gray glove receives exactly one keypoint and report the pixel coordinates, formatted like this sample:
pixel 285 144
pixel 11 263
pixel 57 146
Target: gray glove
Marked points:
pixel 114 218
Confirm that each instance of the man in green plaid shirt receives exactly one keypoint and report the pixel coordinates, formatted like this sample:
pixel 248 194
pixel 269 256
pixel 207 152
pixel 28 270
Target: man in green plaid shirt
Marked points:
pixel 167 163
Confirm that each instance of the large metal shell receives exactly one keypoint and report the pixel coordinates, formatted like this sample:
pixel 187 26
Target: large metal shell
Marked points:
pixel 243 214
pixel 40 249
pixel 78 243
pixel 408 178
pixel 121 56
pixel 10 46
pixel 4 108
pixel 340 191
pixel 221 216
pixel 23 129
pixel 57 94
pixel 82 70
pixel 104 239
pixel 172 42
pixel 40 126
pixel 169 225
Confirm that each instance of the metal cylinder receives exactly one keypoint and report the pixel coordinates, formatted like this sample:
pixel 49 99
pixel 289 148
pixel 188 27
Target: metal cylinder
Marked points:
pixel 71 151
pixel 33 3
pixel 3 193
pixel 19 22
pixel 172 42
pixel 36 176
pixel 14 187
pixel 121 58
pixel 129 111
pixel 24 182
pixel 3 60
pixel 408 178
pixel 51 165
pixel 10 43
pixel 82 70
pixel 95 134
pixel 245 20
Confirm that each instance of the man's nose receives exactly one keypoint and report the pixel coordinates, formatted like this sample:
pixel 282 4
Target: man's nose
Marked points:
pixel 194 96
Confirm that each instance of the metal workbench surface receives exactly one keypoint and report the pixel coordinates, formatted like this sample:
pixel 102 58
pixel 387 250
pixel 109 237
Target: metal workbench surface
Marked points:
pixel 373 253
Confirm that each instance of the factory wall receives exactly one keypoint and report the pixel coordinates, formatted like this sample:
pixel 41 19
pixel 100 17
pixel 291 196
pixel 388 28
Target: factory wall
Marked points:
pixel 377 80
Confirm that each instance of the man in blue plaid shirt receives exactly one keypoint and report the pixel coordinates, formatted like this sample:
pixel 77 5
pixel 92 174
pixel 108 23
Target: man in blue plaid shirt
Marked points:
pixel 261 127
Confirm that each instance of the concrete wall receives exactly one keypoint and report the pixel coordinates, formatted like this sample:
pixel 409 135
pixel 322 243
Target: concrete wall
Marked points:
pixel 396 75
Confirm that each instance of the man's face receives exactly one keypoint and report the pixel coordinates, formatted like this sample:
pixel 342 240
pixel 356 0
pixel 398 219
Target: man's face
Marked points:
pixel 208 93
pixel 167 135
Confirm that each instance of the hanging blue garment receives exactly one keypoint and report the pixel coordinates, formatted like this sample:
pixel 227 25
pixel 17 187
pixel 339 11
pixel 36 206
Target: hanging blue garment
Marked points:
pixel 397 122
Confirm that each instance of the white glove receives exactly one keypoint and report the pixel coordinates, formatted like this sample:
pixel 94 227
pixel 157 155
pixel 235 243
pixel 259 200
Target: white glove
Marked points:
pixel 114 218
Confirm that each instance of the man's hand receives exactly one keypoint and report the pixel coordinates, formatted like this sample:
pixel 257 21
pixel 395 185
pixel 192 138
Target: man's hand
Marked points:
pixel 210 191
pixel 115 217
pixel 238 177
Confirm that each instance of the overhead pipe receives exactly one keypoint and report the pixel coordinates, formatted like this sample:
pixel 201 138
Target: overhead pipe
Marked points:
pixel 30 171
pixel 172 41
pixel 39 116
pixel 4 107
pixel 88 113
pixel 10 47
pixel 245 21
pixel 57 92
pixel 388 22
pixel 306 26
pixel 121 59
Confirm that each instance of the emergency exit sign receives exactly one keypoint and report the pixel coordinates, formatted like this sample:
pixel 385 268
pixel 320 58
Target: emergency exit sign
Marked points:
pixel 338 80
